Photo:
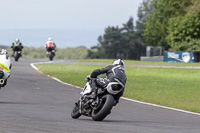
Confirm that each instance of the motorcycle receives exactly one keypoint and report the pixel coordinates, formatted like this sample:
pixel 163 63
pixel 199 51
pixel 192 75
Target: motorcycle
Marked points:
pixel 97 108
pixel 51 54
pixel 5 66
pixel 17 53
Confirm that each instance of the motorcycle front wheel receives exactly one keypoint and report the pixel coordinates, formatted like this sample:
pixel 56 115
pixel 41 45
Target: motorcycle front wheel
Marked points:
pixel 16 56
pixel 75 112
pixel 104 108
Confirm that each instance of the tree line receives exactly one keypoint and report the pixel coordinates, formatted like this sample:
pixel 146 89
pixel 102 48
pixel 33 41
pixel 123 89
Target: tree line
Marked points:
pixel 120 42
pixel 174 25
pixel 40 53
pixel 171 24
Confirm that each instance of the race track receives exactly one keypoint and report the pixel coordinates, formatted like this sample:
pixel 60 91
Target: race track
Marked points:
pixel 35 103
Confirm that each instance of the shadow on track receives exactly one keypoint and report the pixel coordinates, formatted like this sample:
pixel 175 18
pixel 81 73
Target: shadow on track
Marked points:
pixel 121 121
pixel 106 121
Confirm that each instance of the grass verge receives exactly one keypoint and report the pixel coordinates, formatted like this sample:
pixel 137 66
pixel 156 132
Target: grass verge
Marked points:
pixel 172 87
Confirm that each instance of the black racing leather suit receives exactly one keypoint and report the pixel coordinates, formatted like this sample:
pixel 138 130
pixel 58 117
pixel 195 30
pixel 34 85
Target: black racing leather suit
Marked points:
pixel 113 73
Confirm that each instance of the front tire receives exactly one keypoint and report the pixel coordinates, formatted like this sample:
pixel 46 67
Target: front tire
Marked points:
pixel 75 112
pixel 50 58
pixel 104 109
pixel 16 56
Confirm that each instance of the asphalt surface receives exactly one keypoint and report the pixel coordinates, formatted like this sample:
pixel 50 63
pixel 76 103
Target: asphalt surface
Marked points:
pixel 34 103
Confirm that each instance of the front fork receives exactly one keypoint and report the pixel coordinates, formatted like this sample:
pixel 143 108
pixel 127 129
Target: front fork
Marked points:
pixel 93 103
pixel 80 105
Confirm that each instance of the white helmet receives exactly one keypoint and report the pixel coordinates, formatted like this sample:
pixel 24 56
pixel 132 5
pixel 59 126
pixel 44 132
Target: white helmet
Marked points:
pixel 17 39
pixel 49 39
pixel 118 62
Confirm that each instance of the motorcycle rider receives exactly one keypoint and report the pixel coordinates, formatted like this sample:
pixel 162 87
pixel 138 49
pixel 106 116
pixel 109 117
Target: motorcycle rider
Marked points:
pixel 16 46
pixel 114 73
pixel 5 67
pixel 50 45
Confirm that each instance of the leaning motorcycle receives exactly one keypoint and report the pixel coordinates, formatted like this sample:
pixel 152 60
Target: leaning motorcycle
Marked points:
pixel 5 66
pixel 97 108
pixel 17 52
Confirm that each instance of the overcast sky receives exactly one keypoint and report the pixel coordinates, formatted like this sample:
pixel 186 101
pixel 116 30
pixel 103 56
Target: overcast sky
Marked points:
pixel 28 14
pixel 66 14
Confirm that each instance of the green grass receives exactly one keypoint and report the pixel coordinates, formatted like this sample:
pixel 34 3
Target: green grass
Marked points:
pixel 173 87
pixel 140 62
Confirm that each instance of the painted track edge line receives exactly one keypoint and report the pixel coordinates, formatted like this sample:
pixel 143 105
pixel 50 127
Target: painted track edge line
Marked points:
pixel 145 103
pixel 58 80
pixel 160 106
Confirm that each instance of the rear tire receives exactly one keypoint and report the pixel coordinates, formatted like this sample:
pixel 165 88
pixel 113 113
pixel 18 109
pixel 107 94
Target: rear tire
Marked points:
pixel 104 109
pixel 75 112
pixel 51 56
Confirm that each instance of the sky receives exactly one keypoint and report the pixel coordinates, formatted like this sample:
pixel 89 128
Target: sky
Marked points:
pixel 70 23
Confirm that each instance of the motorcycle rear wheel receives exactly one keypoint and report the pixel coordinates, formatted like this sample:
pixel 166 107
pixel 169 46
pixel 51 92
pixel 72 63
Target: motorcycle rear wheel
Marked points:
pixel 75 112
pixel 51 55
pixel 104 108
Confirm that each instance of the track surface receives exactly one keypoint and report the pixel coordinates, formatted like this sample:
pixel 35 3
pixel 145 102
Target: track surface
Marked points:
pixel 35 103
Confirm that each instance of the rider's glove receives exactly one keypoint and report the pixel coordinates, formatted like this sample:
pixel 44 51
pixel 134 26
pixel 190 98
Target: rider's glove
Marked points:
pixel 88 77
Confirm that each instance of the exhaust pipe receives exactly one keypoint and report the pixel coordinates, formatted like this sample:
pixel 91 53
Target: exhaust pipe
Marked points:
pixel 1 81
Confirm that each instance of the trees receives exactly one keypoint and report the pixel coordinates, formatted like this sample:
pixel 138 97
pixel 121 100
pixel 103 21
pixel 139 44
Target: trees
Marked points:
pixel 184 30
pixel 118 42
pixel 65 53
pixel 109 44
pixel 144 10
pixel 174 24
